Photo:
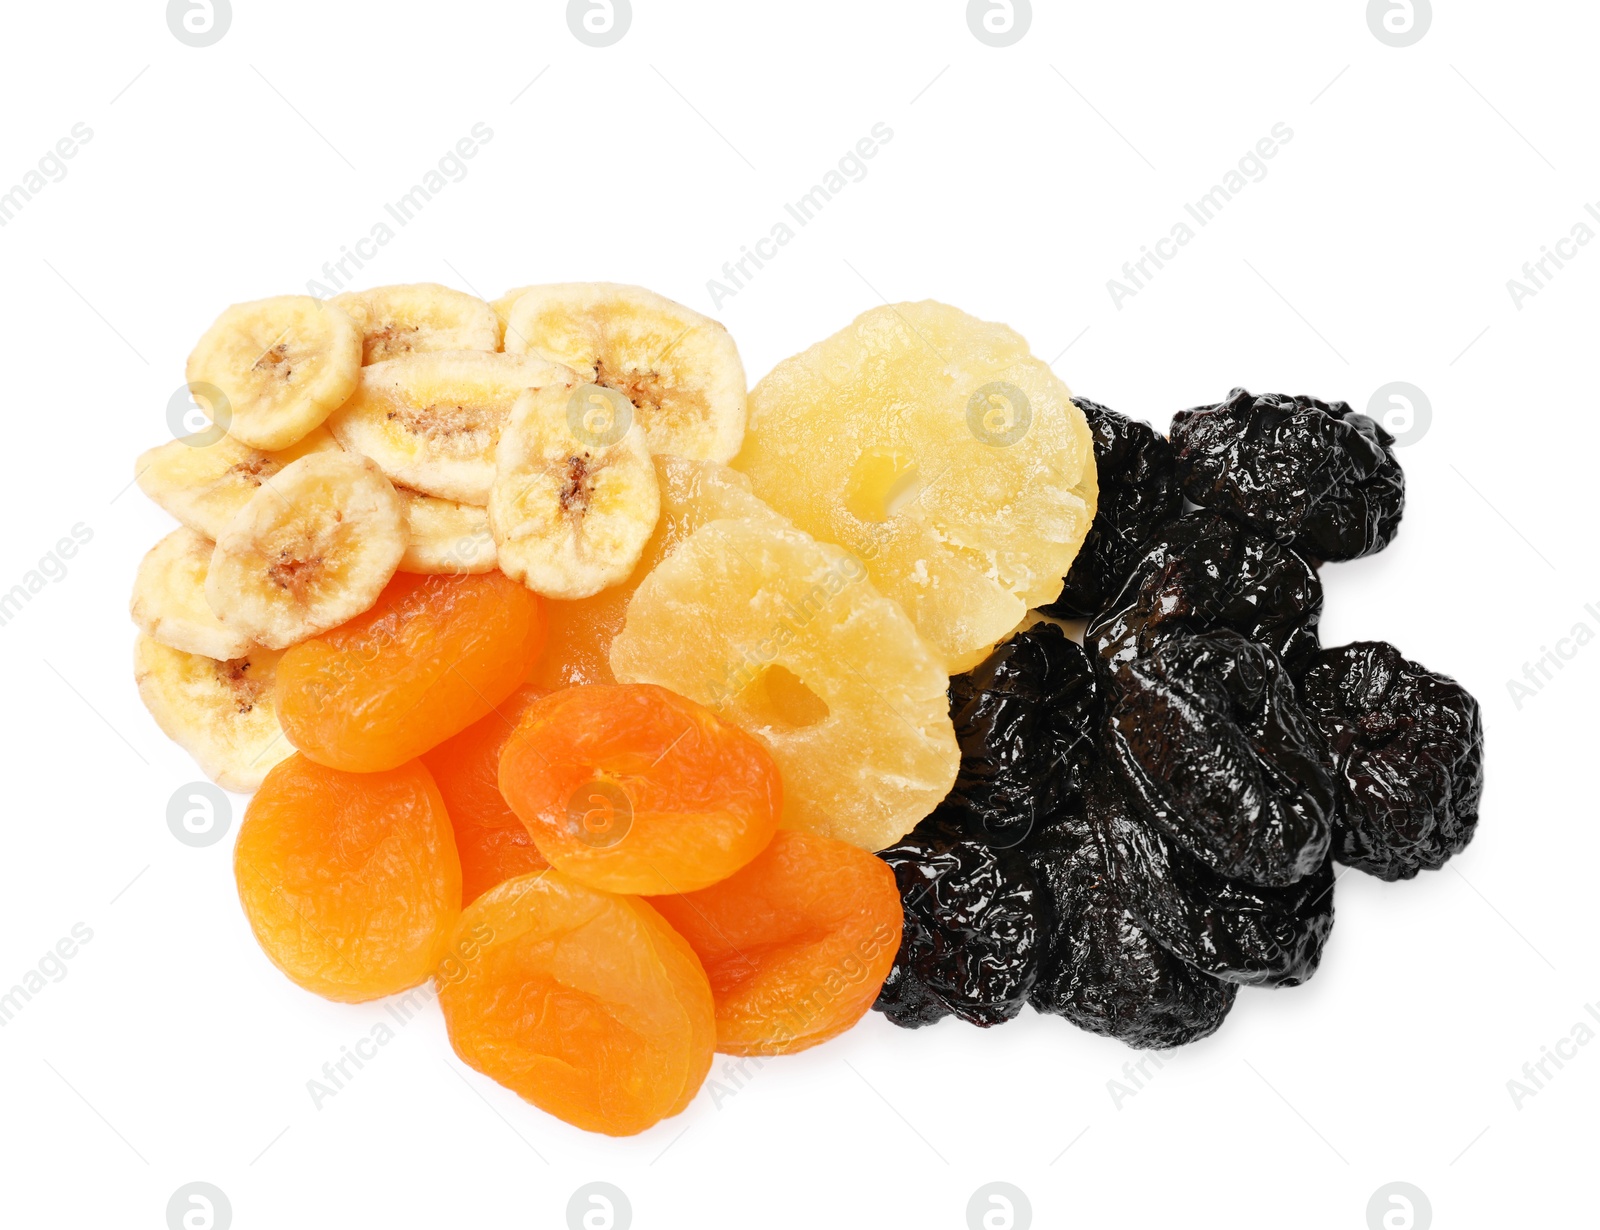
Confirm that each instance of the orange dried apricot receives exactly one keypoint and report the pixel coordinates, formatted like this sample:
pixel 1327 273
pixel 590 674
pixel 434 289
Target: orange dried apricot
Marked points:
pixel 493 844
pixel 796 945
pixel 434 655
pixel 585 1003
pixel 350 881
pixel 634 789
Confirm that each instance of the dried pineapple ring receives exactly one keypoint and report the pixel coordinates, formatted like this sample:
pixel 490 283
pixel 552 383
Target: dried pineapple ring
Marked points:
pixel 787 638
pixel 943 454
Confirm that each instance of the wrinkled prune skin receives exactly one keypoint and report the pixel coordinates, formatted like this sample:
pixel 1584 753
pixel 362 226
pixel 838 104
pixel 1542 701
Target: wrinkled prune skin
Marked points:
pixel 1138 493
pixel 1101 967
pixel 1202 571
pixel 1310 473
pixel 1407 753
pixel 1025 719
pixel 1210 740
pixel 1231 929
pixel 974 922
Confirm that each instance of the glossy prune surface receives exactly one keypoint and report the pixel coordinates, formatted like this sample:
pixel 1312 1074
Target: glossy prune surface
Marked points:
pixel 1202 571
pixel 1024 719
pixel 1102 969
pixel 974 921
pixel 1231 929
pixel 1138 492
pixel 1407 751
pixel 1209 738
pixel 1310 473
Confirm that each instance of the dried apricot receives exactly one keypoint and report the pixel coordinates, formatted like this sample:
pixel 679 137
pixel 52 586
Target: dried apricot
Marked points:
pixel 796 944
pixel 350 881
pixel 633 789
pixel 585 1003
pixel 493 844
pixel 432 657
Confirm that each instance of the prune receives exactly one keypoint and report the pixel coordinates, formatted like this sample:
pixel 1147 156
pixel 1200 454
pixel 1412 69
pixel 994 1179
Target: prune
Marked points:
pixel 1233 930
pixel 1211 741
pixel 1024 719
pixel 1407 749
pixel 974 921
pixel 1102 969
pixel 1138 491
pixel 1202 571
pixel 1307 472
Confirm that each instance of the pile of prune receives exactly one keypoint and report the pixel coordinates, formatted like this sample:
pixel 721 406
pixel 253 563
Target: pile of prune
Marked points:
pixel 1144 825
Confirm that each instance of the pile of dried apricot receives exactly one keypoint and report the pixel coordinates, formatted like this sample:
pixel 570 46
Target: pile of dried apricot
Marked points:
pixel 539 699
pixel 585 684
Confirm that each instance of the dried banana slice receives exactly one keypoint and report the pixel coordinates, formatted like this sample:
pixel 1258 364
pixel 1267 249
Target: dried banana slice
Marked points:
pixel 575 495
pixel 169 599
pixel 431 421
pixel 446 536
pixel 503 305
pixel 205 485
pixel 397 320
pixel 680 369
pixel 220 712
pixel 313 548
pixel 282 366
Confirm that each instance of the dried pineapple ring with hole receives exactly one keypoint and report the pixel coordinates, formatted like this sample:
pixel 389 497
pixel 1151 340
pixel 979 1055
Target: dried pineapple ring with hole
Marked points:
pixel 943 454
pixel 787 638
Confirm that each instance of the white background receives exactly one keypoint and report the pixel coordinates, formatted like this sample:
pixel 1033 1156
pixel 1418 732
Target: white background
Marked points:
pixel 1016 184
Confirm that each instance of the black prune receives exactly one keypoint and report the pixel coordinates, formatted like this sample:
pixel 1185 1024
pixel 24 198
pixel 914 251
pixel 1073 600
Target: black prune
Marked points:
pixel 1407 751
pixel 1211 741
pixel 1231 929
pixel 1101 968
pixel 1307 472
pixel 1025 720
pixel 1138 492
pixel 1202 571
pixel 974 919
